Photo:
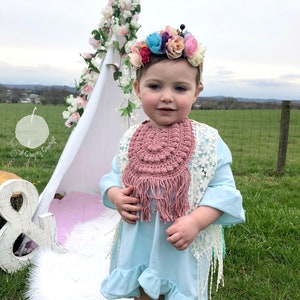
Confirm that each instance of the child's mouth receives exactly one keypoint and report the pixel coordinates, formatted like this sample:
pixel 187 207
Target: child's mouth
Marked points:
pixel 166 109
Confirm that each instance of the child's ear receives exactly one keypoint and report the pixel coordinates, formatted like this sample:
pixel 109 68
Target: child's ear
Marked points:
pixel 199 89
pixel 136 88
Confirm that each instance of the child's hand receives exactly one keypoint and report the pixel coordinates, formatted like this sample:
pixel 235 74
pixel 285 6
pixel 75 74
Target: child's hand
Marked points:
pixel 182 232
pixel 185 229
pixel 124 203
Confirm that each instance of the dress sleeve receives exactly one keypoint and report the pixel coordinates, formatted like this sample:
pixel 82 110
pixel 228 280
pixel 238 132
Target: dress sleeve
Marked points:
pixel 221 192
pixel 109 180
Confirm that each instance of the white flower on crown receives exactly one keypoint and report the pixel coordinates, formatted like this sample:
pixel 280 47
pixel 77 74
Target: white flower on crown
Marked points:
pixel 198 57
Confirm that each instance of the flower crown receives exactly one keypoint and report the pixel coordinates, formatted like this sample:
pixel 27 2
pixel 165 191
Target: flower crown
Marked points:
pixel 173 43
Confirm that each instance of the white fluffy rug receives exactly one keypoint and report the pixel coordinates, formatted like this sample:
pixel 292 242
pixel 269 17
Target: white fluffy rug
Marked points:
pixel 77 274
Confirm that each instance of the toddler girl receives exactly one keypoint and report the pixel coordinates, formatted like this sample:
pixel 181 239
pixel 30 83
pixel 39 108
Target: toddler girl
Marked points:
pixel 171 181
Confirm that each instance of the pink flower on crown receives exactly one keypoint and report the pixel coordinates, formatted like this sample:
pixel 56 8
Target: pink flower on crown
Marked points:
pixel 190 45
pixel 175 46
pixel 136 47
pixel 198 57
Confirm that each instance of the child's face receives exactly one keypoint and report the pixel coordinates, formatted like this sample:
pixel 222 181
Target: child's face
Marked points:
pixel 167 91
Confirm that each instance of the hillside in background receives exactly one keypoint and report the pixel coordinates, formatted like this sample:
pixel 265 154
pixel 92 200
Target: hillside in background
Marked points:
pixel 222 102
pixel 32 93
pixel 55 94
pixel 37 87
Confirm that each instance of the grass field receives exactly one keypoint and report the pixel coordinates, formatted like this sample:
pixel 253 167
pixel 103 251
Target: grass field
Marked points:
pixel 263 255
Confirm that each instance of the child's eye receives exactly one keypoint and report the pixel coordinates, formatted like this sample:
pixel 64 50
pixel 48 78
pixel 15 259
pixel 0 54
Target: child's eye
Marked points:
pixel 153 86
pixel 180 88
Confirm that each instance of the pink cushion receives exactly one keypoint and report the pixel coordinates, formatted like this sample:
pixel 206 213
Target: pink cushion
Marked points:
pixel 74 208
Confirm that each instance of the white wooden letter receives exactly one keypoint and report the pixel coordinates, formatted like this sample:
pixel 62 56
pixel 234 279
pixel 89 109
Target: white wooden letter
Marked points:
pixel 19 222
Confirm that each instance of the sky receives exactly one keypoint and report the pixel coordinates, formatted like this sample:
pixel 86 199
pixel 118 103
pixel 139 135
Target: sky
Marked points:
pixel 252 46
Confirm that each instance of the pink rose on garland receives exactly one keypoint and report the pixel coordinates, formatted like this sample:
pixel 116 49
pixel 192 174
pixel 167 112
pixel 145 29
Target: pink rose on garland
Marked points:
pixel 87 89
pixel 74 118
pixel 123 30
pixel 81 102
pixel 87 55
pixel 108 12
pixel 94 43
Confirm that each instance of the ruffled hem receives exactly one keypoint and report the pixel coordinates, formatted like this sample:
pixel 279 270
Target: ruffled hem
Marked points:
pixel 126 283
pixel 122 283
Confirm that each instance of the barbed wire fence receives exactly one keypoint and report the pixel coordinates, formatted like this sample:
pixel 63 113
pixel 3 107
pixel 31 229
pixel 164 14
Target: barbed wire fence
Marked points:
pixel 261 140
pixel 253 136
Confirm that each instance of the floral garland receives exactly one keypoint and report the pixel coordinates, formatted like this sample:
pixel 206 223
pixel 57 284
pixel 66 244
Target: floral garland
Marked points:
pixel 119 17
pixel 173 43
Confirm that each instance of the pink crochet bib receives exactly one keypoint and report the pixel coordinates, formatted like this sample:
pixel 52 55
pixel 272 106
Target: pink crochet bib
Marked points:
pixel 157 168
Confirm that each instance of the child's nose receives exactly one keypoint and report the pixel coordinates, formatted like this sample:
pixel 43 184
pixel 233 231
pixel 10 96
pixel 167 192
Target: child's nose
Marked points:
pixel 167 96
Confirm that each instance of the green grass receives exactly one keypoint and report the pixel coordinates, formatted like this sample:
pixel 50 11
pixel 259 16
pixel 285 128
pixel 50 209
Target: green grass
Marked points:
pixel 263 255
pixel 13 286
pixel 34 165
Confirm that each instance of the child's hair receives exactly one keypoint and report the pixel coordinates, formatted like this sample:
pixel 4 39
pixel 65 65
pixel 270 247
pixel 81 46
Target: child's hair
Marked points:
pixel 170 44
pixel 154 59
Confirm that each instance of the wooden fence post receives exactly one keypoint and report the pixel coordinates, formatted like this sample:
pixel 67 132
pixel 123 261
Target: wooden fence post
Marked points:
pixel 283 136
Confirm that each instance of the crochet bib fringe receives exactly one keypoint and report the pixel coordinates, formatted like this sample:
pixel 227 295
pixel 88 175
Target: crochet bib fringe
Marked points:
pixel 158 169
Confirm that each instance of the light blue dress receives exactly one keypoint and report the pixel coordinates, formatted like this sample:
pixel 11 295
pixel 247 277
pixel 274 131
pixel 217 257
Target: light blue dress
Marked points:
pixel 141 255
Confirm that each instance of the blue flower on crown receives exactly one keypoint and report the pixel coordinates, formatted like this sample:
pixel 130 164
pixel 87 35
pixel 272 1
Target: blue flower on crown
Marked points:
pixel 154 42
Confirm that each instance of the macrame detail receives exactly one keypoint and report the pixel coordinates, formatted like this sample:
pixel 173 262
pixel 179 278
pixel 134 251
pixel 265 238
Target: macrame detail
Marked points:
pixel 209 244
pixel 157 168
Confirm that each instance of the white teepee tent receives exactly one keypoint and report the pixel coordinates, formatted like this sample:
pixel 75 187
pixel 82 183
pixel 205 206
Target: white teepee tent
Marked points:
pixel 92 144
pixel 85 159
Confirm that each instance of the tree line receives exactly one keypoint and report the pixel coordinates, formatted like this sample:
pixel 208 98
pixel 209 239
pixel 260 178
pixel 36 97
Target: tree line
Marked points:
pixel 45 94
pixel 226 103
pixel 56 95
